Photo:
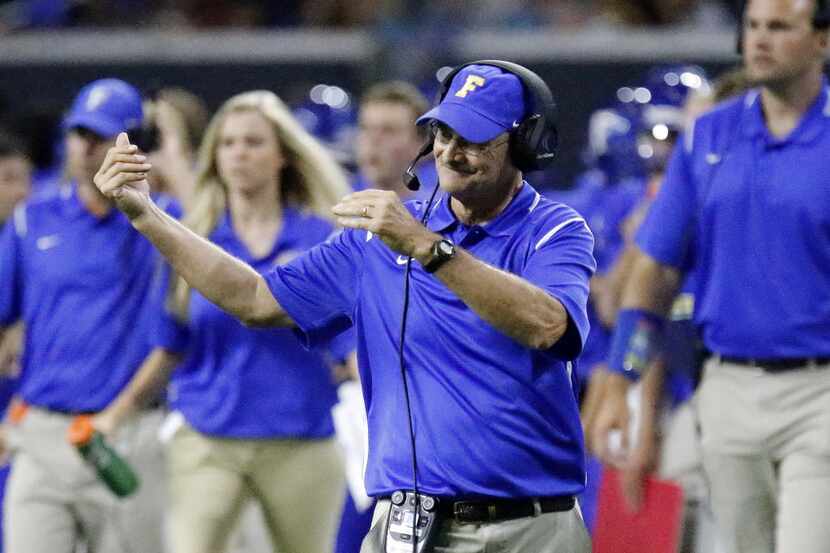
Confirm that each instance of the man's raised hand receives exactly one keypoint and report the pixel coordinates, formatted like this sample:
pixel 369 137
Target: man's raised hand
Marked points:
pixel 123 177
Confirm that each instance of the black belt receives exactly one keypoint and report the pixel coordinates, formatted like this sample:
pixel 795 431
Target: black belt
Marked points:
pixel 777 365
pixel 489 510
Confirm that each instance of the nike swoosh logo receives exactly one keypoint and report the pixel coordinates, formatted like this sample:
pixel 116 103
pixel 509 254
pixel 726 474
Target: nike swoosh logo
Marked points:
pixel 48 242
pixel 401 260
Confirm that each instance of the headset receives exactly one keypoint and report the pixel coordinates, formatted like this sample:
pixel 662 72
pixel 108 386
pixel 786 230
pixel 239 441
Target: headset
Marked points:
pixel 821 21
pixel 533 146
pixel 533 143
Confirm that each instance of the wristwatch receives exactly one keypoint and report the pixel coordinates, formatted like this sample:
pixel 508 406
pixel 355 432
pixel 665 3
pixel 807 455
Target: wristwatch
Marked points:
pixel 442 251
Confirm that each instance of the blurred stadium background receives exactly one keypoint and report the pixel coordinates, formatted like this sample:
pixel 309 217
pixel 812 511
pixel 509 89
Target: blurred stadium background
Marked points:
pixel 585 49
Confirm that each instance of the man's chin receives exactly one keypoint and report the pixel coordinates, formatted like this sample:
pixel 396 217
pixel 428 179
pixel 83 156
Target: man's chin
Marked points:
pixel 763 76
pixel 450 176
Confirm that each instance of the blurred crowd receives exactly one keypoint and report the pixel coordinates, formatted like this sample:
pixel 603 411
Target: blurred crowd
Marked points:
pixel 366 14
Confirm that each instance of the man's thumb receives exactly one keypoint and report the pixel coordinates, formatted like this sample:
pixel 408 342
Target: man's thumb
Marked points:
pixel 122 140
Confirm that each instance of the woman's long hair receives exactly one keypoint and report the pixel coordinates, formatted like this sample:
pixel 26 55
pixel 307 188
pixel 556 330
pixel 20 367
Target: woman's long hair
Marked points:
pixel 311 179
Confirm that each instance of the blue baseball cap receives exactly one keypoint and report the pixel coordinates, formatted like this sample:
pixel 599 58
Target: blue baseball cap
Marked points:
pixel 482 102
pixel 106 107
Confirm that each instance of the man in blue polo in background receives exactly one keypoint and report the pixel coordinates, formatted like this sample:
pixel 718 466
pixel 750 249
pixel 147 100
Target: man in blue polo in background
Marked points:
pixel 745 205
pixel 495 313
pixel 78 275
pixel 15 186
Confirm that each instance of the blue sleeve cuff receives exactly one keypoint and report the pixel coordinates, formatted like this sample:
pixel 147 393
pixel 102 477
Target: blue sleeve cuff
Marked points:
pixel 636 342
pixel 312 329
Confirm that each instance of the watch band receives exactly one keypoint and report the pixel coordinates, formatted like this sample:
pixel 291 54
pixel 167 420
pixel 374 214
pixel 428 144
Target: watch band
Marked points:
pixel 442 251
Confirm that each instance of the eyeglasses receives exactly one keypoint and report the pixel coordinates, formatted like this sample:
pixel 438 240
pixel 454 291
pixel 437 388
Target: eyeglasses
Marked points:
pixel 444 136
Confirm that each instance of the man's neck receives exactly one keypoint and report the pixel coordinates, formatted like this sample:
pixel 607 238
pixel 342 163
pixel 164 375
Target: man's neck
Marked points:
pixel 95 202
pixel 485 209
pixel 785 104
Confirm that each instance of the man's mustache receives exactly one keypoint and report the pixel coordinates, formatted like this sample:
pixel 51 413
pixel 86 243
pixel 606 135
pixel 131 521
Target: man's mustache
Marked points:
pixel 459 168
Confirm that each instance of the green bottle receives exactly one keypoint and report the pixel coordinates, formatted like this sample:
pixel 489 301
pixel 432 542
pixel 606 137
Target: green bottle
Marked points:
pixel 111 468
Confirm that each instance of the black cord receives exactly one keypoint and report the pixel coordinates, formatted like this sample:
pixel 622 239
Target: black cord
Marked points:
pixel 406 287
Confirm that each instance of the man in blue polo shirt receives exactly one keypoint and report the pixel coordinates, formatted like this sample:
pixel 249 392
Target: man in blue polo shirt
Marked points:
pixel 78 275
pixel 495 312
pixel 744 204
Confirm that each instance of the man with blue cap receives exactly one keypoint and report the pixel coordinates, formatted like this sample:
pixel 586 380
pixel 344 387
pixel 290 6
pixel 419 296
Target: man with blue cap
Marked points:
pixel 743 206
pixel 78 275
pixel 468 312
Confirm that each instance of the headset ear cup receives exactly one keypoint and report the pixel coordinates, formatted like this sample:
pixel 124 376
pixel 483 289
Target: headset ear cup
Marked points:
pixel 522 156
pixel 533 144
pixel 551 140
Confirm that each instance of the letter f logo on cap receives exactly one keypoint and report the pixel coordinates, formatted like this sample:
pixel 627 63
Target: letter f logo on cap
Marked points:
pixel 96 97
pixel 472 82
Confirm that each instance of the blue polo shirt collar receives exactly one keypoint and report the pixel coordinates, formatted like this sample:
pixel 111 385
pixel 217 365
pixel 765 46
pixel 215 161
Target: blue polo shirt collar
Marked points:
pixel 442 217
pixel 808 129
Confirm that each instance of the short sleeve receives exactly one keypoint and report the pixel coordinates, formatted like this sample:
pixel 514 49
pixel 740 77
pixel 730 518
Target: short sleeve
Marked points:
pixel 667 231
pixel 342 345
pixel 319 288
pixel 562 263
pixel 11 267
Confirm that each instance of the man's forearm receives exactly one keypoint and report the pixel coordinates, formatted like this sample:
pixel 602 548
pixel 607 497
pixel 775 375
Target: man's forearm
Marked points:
pixel 220 277
pixel 650 286
pixel 516 307
pixel 147 384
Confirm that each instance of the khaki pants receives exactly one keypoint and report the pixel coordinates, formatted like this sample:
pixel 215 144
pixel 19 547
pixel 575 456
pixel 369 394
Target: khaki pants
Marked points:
pixel 298 483
pixel 681 461
pixel 54 501
pixel 546 533
pixel 766 453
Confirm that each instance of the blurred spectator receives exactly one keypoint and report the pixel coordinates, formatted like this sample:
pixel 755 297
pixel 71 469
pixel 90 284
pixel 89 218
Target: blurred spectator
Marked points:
pixel 253 420
pixel 174 123
pixel 85 336
pixel 37 126
pixel 15 174
pixel 663 440
pixel 193 111
pixel 388 140
pixel 15 184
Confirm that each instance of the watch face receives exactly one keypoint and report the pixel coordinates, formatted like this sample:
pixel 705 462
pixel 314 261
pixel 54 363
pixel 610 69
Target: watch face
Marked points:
pixel 446 248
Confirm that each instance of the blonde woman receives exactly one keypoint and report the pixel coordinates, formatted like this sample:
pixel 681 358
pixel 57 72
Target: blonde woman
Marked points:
pixel 256 405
